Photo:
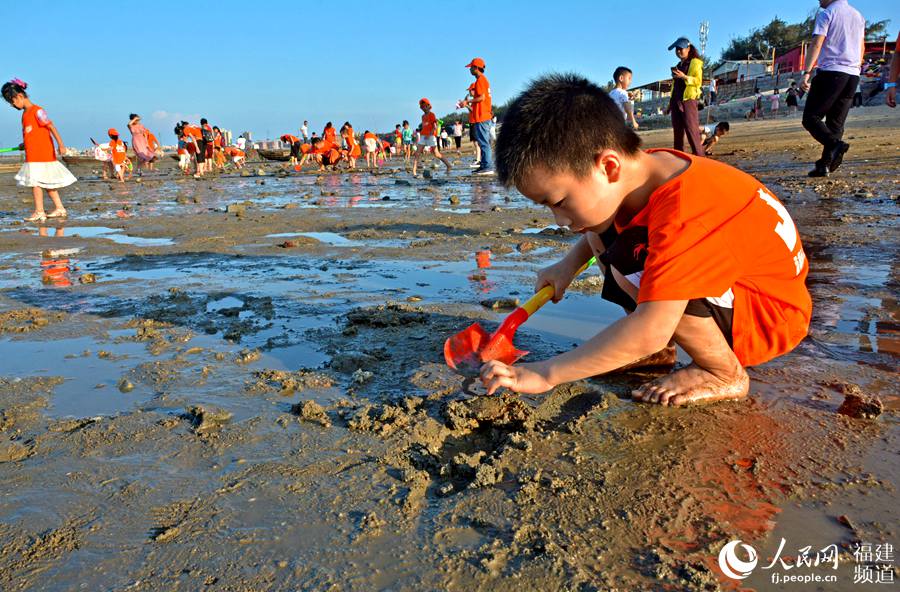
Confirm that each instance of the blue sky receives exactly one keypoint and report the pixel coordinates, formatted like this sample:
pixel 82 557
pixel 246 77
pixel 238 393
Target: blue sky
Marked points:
pixel 268 65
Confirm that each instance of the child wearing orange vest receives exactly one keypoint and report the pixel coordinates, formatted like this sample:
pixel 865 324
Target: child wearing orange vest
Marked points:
pixel 371 142
pixel 118 154
pixel 428 138
pixel 294 143
pixel 41 169
pixel 353 150
pixel 153 144
pixel 237 156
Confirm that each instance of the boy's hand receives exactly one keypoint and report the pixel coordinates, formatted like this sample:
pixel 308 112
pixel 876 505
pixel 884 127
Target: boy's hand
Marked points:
pixel 525 378
pixel 559 275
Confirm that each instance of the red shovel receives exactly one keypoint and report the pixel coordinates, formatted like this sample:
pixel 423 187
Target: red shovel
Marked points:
pixel 470 348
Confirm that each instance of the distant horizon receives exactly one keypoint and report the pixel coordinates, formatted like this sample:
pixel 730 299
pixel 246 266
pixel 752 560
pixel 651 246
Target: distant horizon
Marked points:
pixel 266 72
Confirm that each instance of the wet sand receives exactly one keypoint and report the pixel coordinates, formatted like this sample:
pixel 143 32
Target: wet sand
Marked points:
pixel 238 384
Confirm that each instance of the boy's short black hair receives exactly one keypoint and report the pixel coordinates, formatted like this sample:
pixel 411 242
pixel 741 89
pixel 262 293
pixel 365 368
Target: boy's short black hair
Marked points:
pixel 619 71
pixel 724 125
pixel 405 122
pixel 560 121
pixel 203 121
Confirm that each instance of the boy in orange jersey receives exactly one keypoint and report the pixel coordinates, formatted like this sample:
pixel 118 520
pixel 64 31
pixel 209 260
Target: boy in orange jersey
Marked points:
pixel 699 253
pixel 428 137
pixel 118 154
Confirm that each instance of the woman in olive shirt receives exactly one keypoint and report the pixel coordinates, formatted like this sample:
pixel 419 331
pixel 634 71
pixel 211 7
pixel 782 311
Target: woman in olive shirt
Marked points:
pixel 687 78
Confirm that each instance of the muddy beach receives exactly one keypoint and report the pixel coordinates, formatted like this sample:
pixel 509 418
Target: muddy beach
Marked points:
pixel 238 384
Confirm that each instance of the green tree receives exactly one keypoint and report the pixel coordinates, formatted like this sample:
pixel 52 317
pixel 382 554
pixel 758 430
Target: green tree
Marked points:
pixel 877 30
pixel 777 35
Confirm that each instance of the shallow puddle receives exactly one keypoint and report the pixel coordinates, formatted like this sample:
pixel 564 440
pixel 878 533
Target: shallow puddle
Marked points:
pixel 113 234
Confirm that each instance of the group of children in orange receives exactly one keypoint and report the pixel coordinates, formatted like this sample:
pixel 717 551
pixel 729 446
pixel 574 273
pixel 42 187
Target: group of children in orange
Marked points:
pixel 698 253
pixel 203 146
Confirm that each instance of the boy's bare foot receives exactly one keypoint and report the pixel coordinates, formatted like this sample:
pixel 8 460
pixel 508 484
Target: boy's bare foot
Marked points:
pixel 664 358
pixel 694 385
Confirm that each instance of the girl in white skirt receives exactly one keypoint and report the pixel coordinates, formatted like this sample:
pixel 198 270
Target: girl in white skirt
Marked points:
pixel 41 169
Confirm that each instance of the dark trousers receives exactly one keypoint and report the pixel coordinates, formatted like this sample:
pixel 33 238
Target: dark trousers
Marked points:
pixel 830 97
pixel 685 118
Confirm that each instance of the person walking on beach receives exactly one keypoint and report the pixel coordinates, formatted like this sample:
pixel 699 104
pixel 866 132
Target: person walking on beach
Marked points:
pixel 118 154
pixel 428 137
pixel 407 135
pixel 140 142
pixel 713 91
pixel 304 131
pixel 687 77
pixel 836 50
pixel 481 113
pixel 41 169
pixel 457 137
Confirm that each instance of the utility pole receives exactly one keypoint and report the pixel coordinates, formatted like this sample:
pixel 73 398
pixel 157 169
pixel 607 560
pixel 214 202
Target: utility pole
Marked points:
pixel 704 36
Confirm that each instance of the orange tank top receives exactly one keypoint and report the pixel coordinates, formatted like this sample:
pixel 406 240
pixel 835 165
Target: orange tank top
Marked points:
pixel 36 135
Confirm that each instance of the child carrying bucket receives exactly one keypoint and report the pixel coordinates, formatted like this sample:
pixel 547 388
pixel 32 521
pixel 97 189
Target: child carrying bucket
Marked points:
pixel 41 169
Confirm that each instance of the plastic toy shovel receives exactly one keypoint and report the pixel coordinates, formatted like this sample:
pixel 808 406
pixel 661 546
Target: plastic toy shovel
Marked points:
pixel 470 348
pixel 13 149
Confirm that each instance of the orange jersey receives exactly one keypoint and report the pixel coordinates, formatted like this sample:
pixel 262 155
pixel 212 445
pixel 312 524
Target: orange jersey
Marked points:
pixel 233 152
pixel 429 124
pixel 289 139
pixel 36 135
pixel 716 232
pixel 305 148
pixel 471 91
pixel 117 149
pixel 482 111
pixel 330 135
pixel 369 136
pixel 152 142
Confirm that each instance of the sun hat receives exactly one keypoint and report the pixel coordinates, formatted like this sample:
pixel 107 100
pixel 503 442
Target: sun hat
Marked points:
pixel 680 43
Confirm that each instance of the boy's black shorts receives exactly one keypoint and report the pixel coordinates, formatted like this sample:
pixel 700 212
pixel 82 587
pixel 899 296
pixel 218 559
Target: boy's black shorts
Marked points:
pixel 627 252
pixel 295 150
pixel 201 151
pixel 458 141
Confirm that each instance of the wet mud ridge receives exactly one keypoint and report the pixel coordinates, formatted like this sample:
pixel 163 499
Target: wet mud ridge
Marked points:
pixel 245 390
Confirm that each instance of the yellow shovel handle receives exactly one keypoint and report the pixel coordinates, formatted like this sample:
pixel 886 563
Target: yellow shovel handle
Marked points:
pixel 545 294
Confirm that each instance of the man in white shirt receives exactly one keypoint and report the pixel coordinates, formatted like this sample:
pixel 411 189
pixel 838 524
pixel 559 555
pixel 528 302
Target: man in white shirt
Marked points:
pixel 304 130
pixel 837 50
pixel 619 94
